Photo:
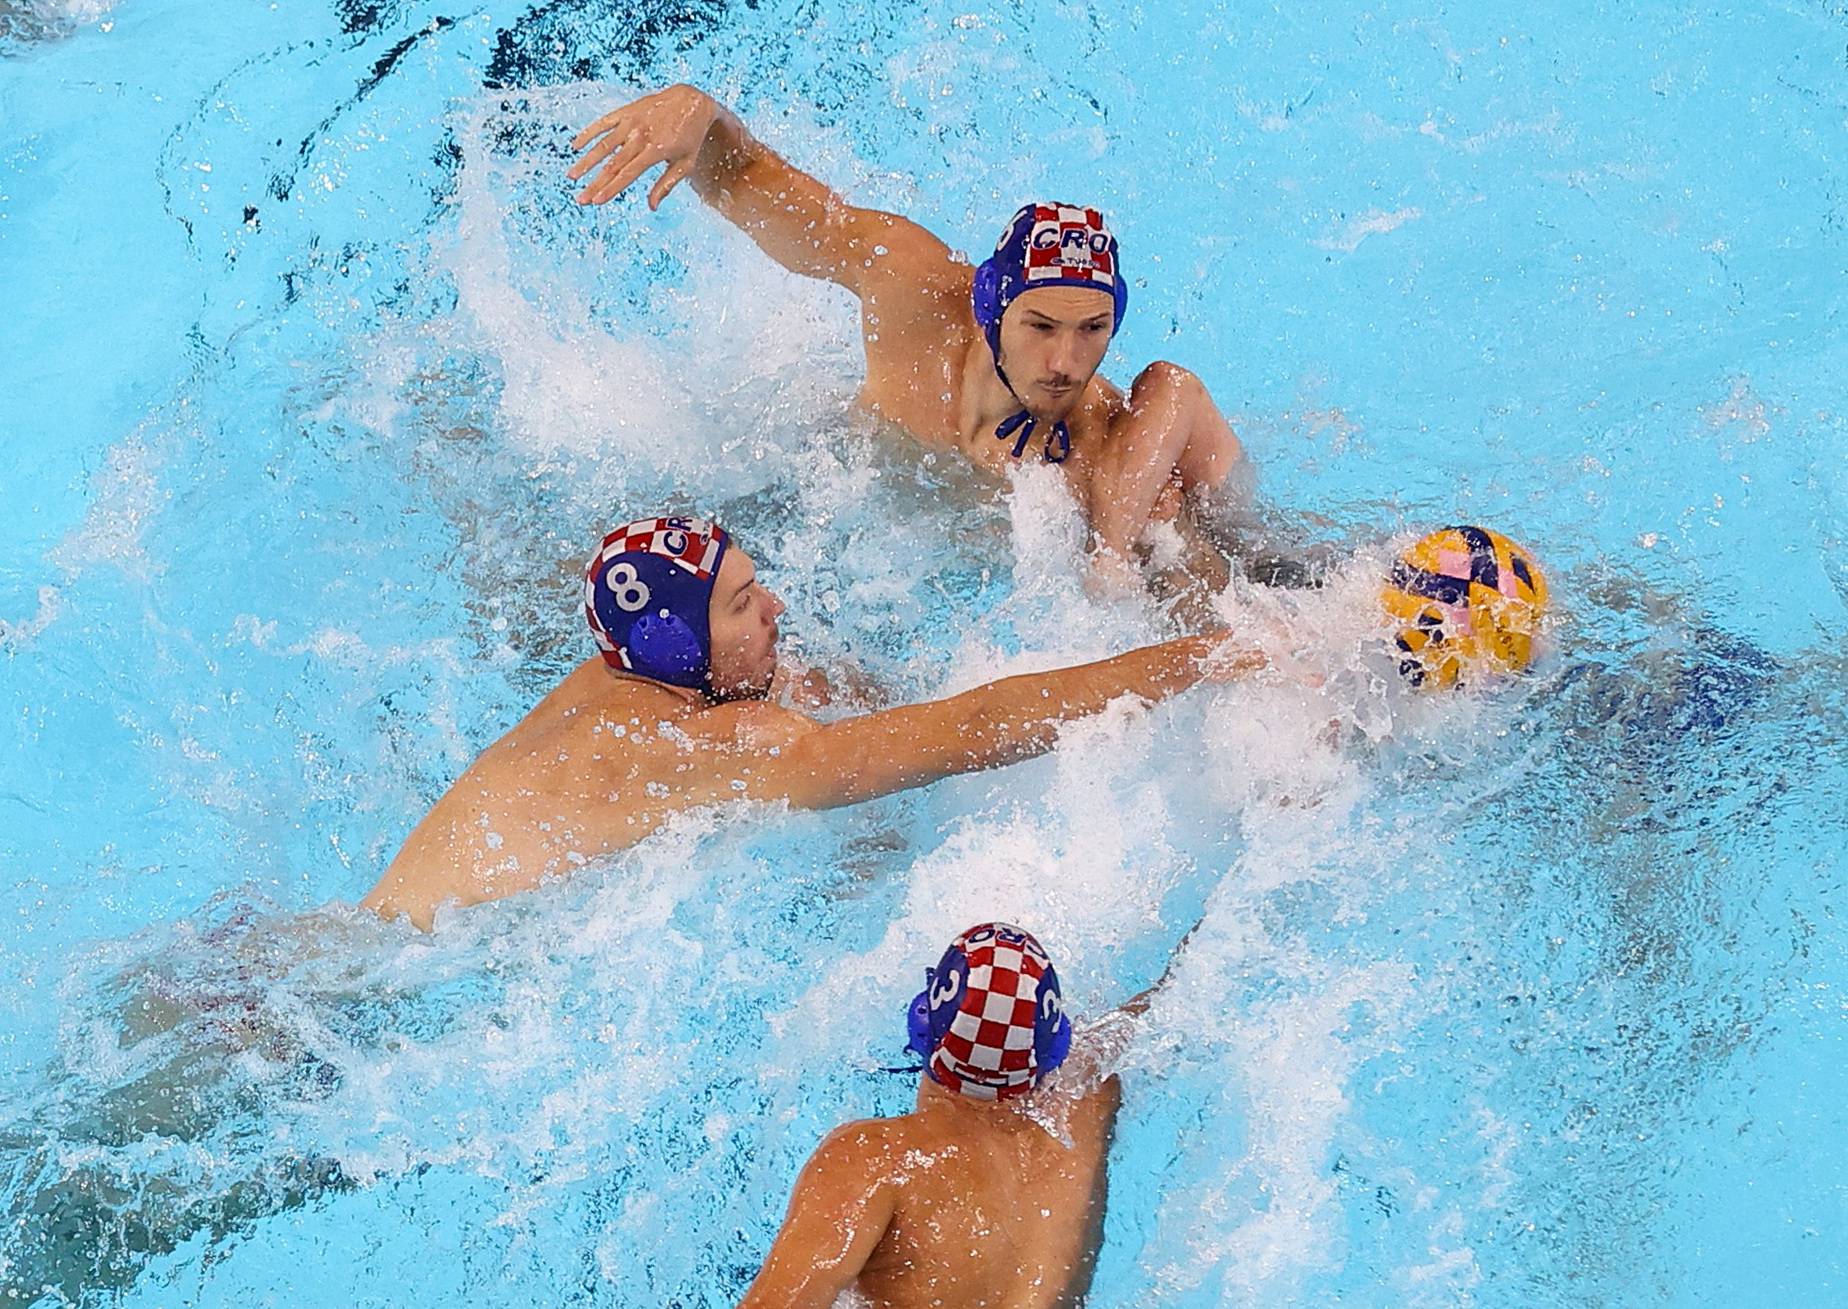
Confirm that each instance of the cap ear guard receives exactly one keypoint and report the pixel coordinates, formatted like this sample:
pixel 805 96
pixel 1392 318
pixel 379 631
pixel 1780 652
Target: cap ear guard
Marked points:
pixel 985 296
pixel 1057 1046
pixel 986 303
pixel 917 1019
pixel 664 645
pixel 1052 1032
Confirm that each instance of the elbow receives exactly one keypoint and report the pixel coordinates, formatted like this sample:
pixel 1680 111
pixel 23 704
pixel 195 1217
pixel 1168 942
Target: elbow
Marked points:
pixel 1170 379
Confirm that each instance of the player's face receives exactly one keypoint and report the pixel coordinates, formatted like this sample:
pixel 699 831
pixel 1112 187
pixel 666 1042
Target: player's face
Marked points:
pixel 1052 341
pixel 743 620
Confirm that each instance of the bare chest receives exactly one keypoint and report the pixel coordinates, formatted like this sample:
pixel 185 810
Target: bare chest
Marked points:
pixel 912 379
pixel 924 396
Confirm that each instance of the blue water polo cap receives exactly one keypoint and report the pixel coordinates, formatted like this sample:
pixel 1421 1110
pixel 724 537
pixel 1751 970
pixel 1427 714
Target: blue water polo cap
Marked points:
pixel 990 1022
pixel 648 598
pixel 1044 245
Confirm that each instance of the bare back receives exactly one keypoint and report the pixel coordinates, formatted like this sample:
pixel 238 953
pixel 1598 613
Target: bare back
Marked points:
pixel 1003 1214
pixel 961 1202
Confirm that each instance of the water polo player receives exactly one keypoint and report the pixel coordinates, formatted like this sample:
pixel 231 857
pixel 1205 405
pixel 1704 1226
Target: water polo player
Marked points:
pixel 992 1190
pixel 999 362
pixel 674 714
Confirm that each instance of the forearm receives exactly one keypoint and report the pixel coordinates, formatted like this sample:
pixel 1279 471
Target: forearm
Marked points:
pixel 1001 723
pixel 1019 717
pixel 1150 436
pixel 1169 429
pixel 790 215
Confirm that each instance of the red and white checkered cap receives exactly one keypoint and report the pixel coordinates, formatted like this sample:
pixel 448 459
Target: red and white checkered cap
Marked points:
pixel 1067 244
pixel 988 1053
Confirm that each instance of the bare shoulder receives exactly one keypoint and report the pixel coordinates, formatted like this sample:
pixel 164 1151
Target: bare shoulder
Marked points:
pixel 861 1156
pixel 1106 398
pixel 908 268
pixel 752 726
pixel 896 246
pixel 892 1149
pixel 861 1140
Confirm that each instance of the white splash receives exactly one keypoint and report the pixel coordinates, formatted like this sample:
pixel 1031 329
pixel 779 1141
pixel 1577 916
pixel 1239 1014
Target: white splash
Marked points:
pixel 16 634
pixel 1375 222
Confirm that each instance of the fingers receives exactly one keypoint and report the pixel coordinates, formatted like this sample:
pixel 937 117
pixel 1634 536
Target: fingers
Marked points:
pixel 617 149
pixel 621 165
pixel 611 142
pixel 676 173
pixel 607 123
pixel 1230 658
pixel 620 173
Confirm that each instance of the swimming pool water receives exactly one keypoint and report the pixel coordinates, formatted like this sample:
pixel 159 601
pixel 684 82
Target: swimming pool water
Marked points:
pixel 318 387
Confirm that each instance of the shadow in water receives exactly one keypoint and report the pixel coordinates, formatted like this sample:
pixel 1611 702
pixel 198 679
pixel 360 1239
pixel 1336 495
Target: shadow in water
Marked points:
pixel 167 1115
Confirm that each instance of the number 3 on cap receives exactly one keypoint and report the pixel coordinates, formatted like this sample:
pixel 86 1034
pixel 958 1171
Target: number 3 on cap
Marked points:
pixel 628 590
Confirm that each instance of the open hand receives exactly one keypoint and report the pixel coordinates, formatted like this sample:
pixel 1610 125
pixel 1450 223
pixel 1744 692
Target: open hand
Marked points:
pixel 667 127
pixel 1227 657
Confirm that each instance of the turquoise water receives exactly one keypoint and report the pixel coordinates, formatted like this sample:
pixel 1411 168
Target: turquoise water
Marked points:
pixel 318 390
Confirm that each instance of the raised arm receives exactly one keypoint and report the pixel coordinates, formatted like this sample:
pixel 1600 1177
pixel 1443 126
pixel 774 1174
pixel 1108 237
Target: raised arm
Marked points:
pixel 1001 723
pixel 1168 426
pixel 797 221
pixel 1138 1004
pixel 841 1206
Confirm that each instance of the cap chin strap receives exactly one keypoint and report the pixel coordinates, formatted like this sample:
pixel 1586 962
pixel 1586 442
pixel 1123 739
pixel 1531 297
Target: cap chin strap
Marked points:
pixel 1024 423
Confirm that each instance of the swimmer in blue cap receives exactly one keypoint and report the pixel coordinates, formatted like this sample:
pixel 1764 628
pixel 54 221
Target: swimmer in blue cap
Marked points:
pixel 677 711
pixel 998 362
pixel 992 1190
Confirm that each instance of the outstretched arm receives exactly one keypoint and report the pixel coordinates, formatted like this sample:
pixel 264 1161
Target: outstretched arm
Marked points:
pixel 1001 723
pixel 793 218
pixel 1095 1060
pixel 840 1208
pixel 1138 1004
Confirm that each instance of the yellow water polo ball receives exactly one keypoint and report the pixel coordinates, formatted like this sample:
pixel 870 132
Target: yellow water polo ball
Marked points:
pixel 1466 603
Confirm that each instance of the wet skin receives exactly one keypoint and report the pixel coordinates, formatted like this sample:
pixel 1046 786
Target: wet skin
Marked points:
pixel 608 757
pixel 961 1202
pixel 928 368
